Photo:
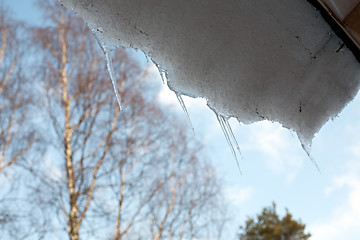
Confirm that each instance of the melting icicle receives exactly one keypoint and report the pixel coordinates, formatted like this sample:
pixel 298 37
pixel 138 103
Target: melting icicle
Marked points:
pixel 307 149
pixel 112 76
pixel 163 75
pixel 109 67
pixel 162 72
pixel 227 124
pixel 225 130
pixel 181 101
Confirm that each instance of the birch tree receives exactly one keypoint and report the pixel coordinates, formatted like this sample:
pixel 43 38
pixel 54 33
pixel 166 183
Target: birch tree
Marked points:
pixel 77 98
pixel 106 170
pixel 190 204
pixel 17 134
pixel 15 138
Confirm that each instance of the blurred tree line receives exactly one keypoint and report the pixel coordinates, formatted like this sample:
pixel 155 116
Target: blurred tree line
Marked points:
pixel 73 166
pixel 269 226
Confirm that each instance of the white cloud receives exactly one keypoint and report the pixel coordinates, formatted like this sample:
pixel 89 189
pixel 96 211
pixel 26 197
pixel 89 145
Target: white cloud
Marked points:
pixel 166 96
pixel 281 151
pixel 344 222
pixel 53 171
pixel 238 195
pixel 268 138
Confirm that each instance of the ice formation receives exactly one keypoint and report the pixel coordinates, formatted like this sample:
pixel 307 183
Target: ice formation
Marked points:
pixel 252 60
pixel 225 126
pixel 109 65
pixel 182 104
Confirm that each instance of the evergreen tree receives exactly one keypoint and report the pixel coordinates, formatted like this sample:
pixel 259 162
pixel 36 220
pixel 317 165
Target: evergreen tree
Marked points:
pixel 269 226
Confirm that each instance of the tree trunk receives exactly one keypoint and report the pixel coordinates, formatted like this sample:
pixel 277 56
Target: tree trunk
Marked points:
pixel 73 221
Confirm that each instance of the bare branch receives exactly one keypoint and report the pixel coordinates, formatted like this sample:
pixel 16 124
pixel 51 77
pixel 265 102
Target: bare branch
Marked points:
pixel 92 185
pixel 3 46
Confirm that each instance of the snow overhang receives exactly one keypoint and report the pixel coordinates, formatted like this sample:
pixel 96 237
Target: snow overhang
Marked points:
pixel 253 60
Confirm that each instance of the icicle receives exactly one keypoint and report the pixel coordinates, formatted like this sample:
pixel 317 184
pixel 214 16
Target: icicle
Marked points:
pixel 162 72
pixel 111 72
pixel 226 133
pixel 163 75
pixel 109 67
pixel 227 124
pixel 307 149
pixel 164 78
pixel 181 101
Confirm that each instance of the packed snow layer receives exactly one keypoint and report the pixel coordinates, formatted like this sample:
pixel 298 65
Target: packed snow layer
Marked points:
pixel 253 60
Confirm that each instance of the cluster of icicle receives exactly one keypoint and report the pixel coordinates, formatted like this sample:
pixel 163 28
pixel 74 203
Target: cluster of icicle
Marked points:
pixel 222 119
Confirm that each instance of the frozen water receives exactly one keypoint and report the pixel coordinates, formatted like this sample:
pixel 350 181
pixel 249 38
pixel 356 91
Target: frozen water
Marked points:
pixel 162 72
pixel 307 149
pixel 226 132
pixel 181 101
pixel 252 60
pixel 109 67
pixel 164 77
pixel 228 127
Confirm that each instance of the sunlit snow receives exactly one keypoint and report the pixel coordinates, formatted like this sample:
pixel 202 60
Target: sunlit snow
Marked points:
pixel 252 60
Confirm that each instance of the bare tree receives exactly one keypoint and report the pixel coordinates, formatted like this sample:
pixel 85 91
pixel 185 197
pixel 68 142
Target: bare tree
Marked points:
pixel 77 98
pixel 162 185
pixel 80 105
pixel 190 204
pixel 17 134
pixel 15 140
pixel 110 174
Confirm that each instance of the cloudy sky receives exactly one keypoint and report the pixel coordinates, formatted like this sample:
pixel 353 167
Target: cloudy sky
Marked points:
pixel 274 166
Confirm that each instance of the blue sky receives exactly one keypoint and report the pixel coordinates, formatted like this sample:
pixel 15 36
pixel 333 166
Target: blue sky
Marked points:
pixel 275 168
